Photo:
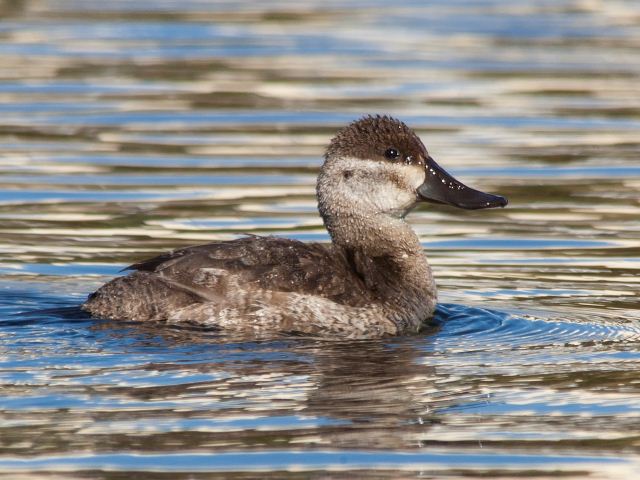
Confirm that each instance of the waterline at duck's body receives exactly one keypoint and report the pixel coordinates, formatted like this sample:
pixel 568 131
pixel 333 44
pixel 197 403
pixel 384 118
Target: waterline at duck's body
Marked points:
pixel 372 281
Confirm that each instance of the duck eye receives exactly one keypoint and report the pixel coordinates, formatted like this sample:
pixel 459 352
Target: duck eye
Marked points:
pixel 392 154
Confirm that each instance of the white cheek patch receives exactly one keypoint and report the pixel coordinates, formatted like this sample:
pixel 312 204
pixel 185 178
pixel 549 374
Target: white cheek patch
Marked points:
pixel 393 200
pixel 385 187
pixel 355 164
pixel 413 175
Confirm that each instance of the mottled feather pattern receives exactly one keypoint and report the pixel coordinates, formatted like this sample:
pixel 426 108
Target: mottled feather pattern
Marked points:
pixel 373 280
pixel 268 263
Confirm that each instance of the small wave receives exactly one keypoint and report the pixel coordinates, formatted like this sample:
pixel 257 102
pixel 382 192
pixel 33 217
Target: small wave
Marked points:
pixel 478 328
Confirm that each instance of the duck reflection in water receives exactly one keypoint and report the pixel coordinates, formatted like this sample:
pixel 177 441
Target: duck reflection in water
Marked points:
pixel 361 393
pixel 373 280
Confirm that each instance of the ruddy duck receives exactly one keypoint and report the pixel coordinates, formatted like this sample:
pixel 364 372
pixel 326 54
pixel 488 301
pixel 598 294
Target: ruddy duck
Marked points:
pixel 373 280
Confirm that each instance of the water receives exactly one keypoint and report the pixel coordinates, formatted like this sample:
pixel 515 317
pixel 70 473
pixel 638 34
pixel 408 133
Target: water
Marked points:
pixel 129 128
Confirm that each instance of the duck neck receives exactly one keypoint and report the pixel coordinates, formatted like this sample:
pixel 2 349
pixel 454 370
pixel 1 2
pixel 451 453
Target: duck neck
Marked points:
pixel 386 254
pixel 373 235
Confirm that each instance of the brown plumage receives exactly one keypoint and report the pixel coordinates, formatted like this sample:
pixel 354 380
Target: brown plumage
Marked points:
pixel 371 137
pixel 268 263
pixel 373 280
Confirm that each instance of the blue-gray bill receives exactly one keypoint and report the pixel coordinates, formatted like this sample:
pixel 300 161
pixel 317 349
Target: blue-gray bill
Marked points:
pixel 440 187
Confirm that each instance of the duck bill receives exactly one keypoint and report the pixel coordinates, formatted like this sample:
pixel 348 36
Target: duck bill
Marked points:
pixel 440 187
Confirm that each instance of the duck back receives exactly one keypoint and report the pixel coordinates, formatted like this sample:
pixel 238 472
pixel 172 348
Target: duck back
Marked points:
pixel 216 272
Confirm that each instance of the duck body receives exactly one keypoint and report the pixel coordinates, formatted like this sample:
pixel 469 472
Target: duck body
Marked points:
pixel 373 280
pixel 270 284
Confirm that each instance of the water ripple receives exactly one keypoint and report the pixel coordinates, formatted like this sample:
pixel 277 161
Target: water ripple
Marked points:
pixel 130 128
pixel 463 327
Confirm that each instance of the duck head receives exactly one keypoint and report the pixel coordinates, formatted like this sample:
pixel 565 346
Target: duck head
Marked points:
pixel 379 165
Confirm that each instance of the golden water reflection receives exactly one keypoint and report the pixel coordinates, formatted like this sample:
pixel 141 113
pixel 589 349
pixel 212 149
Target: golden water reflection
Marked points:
pixel 130 128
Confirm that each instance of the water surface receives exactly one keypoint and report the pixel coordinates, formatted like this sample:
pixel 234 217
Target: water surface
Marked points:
pixel 128 128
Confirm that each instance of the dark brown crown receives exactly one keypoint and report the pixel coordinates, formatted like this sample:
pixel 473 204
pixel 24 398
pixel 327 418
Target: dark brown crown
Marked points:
pixel 373 137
